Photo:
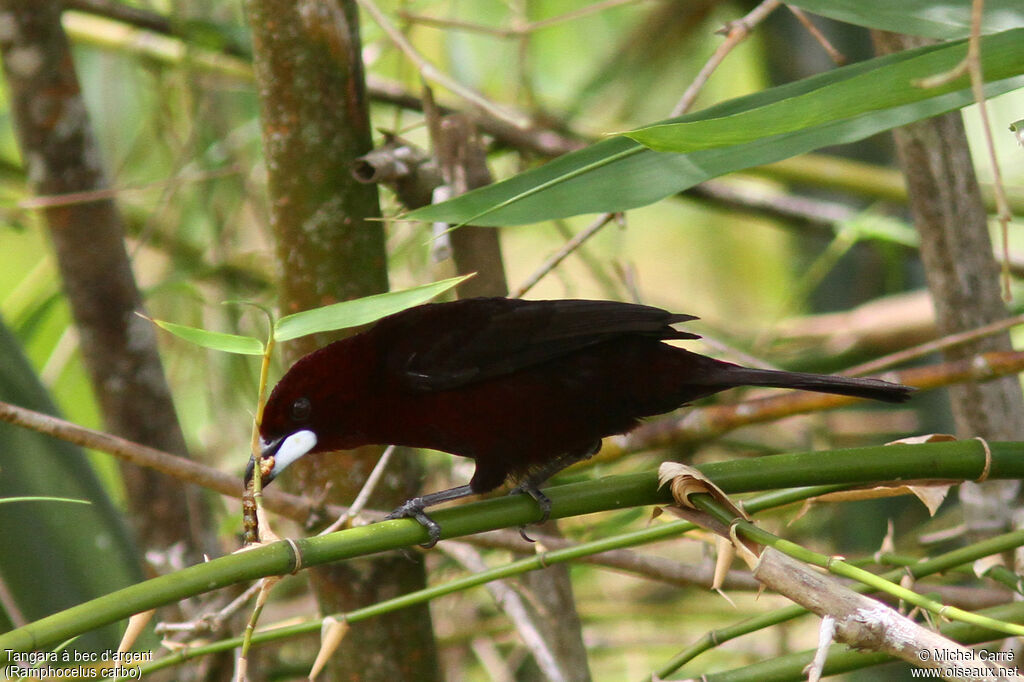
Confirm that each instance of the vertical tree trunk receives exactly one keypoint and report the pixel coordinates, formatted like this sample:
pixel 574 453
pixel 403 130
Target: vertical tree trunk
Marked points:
pixel 118 347
pixel 463 162
pixel 478 249
pixel 315 124
pixel 963 278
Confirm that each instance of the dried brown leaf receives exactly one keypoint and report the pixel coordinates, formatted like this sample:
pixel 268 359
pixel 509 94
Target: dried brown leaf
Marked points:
pixel 685 480
pixel 930 493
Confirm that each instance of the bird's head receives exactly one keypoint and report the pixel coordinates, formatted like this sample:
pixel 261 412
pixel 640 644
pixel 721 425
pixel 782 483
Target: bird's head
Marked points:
pixel 314 408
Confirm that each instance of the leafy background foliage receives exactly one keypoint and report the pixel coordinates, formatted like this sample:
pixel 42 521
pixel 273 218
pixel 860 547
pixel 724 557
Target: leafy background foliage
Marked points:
pixel 180 135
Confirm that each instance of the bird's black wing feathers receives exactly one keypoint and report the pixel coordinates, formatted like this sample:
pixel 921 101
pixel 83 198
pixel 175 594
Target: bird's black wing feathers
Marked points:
pixel 467 341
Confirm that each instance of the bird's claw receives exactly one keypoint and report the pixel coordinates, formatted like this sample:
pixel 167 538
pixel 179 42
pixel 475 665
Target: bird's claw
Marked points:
pixel 413 509
pixel 543 501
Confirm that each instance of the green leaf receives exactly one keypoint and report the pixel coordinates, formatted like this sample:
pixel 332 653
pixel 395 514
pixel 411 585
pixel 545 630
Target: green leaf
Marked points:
pixel 83 551
pixel 231 343
pixel 933 18
pixel 328 318
pixel 619 174
pixel 880 89
pixel 359 311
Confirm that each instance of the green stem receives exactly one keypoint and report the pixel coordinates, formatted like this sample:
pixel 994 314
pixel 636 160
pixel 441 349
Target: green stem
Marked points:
pixel 645 536
pixel 953 460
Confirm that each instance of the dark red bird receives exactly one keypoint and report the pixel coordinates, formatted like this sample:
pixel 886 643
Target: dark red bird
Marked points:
pixel 525 388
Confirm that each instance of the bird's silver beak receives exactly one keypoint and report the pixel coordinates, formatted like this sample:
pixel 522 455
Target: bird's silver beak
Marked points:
pixel 285 451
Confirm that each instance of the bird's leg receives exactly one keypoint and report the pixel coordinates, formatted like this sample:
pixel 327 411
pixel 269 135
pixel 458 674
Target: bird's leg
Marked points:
pixel 531 483
pixel 413 509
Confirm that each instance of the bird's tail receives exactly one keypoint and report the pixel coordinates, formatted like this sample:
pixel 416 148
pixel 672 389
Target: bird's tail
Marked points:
pixel 875 389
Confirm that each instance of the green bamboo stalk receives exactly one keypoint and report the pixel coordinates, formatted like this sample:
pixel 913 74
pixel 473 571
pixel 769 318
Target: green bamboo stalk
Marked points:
pixel 917 569
pixel 648 535
pixel 953 460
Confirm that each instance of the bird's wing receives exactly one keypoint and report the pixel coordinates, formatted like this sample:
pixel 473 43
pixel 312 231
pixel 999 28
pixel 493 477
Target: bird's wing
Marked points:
pixel 476 339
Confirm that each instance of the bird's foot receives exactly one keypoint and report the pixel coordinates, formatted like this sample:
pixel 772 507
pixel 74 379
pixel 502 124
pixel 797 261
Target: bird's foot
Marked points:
pixel 413 509
pixel 543 501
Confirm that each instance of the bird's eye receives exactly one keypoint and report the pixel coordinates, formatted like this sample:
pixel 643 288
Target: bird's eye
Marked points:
pixel 301 409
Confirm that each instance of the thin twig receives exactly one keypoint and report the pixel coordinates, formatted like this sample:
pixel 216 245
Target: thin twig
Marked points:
pixel 524 91
pixel 209 622
pixel 921 350
pixel 647 566
pixel 971 65
pixel 364 492
pixel 1003 214
pixel 577 14
pixel 546 142
pixel 515 31
pixel 449 24
pixel 178 467
pixel 835 55
pixel 818 212
pixel 45 201
pixel 737 32
pixel 734 353
pixel 430 72
pixel 563 253
pixel 515 608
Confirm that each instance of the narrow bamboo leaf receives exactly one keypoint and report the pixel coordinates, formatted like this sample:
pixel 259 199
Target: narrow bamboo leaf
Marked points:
pixel 944 19
pixel 618 174
pixel 64 544
pixel 359 311
pixel 231 343
pixel 878 90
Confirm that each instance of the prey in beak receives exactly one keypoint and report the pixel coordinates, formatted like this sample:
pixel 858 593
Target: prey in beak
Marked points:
pixel 277 454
